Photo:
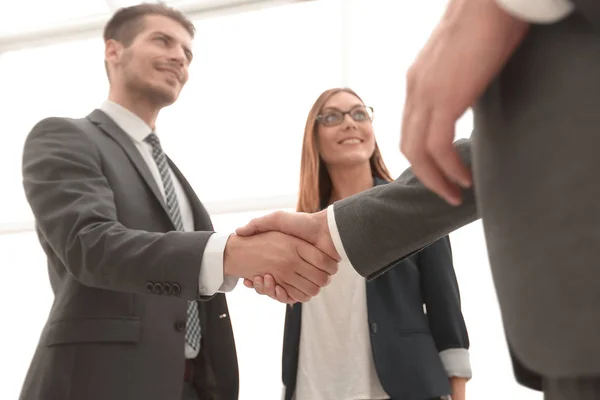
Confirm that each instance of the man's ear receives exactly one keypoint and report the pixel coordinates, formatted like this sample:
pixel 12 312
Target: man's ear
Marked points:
pixel 112 51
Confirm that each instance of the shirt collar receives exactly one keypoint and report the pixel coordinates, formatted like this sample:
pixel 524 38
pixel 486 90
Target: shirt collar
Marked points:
pixel 133 125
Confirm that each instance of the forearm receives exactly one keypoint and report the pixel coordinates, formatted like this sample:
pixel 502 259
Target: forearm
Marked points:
pixel 75 212
pixel 108 256
pixel 459 388
pixel 390 222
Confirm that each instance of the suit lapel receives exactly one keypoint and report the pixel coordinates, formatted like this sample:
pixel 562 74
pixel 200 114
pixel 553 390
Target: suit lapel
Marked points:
pixel 108 126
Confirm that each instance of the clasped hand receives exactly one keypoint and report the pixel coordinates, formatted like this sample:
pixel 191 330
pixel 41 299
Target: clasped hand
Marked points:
pixel 293 258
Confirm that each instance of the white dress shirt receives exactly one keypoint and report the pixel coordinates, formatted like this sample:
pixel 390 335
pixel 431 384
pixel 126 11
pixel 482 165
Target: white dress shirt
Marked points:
pixel 211 279
pixel 538 11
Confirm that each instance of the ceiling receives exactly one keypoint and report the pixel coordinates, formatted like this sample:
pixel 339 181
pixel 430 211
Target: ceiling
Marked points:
pixel 28 23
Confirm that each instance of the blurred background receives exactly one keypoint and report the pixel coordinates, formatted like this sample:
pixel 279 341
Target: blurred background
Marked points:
pixel 258 67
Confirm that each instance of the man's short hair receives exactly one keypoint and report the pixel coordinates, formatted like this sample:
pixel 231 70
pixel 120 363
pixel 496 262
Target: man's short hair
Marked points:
pixel 128 22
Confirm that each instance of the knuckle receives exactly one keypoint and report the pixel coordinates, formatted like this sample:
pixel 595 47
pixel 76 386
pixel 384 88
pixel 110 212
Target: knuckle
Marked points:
pixel 321 279
pixel 411 77
pixel 314 290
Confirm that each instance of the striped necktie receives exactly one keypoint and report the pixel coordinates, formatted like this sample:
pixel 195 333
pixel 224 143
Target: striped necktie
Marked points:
pixel 192 331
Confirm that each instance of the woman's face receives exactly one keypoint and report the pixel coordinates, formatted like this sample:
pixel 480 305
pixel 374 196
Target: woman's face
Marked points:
pixel 345 132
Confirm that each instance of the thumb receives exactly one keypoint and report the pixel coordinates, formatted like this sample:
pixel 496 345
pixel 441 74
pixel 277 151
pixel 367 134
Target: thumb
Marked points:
pixel 259 225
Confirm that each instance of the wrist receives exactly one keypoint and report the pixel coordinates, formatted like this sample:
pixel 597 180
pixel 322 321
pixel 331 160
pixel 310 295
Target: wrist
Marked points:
pixel 325 241
pixel 230 266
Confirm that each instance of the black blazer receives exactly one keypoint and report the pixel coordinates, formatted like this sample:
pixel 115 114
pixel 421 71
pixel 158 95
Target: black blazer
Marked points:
pixel 405 340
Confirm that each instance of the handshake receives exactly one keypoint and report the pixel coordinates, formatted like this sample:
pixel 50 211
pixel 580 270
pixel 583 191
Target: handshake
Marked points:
pixel 287 256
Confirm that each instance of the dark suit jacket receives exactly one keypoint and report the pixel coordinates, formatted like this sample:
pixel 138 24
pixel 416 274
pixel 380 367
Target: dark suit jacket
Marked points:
pixel 405 341
pixel 121 284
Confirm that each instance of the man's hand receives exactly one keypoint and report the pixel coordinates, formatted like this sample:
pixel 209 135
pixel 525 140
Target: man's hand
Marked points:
pixel 312 228
pixel 470 45
pixel 267 286
pixel 298 267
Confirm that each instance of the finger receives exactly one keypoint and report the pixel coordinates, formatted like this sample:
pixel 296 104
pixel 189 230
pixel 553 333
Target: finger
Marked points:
pixel 323 265
pixel 298 286
pixel 295 294
pixel 258 283
pixel 248 283
pixel 414 147
pixel 415 124
pixel 269 286
pixel 258 225
pixel 441 148
pixel 433 179
pixel 282 296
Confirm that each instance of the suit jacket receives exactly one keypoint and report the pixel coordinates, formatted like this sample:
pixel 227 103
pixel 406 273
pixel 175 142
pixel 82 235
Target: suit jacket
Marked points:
pixel 405 340
pixel 121 284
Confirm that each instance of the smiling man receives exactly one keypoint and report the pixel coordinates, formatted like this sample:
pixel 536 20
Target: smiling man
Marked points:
pixel 130 248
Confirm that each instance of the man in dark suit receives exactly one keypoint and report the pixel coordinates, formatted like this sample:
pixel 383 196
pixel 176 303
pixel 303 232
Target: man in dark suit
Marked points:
pixel 130 247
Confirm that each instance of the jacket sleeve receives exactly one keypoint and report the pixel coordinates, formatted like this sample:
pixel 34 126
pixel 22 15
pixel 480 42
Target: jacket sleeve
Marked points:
pixel 390 222
pixel 442 301
pixel 75 213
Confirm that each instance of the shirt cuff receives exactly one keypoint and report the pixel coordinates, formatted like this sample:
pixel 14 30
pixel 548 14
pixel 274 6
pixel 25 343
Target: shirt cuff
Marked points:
pixel 335 234
pixel 537 11
pixel 457 363
pixel 212 279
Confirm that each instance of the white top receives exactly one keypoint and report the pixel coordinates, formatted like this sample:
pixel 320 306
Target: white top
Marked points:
pixel 211 277
pixel 538 11
pixel 335 360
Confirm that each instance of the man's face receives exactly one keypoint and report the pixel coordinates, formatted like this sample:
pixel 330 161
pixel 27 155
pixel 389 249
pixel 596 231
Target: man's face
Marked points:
pixel 156 63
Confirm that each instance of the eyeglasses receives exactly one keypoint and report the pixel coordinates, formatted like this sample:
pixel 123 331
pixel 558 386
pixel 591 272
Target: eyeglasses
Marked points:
pixel 336 117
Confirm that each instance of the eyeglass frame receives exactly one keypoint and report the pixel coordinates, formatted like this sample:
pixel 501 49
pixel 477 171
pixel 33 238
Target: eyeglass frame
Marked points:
pixel 372 117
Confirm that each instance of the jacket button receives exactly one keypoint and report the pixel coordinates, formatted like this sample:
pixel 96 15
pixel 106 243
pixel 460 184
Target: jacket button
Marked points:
pixel 158 288
pixel 167 288
pixel 180 326
pixel 176 289
pixel 150 286
pixel 374 327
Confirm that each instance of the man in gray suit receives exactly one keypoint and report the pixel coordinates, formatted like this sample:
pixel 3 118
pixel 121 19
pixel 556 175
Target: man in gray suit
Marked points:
pixel 130 247
pixel 530 70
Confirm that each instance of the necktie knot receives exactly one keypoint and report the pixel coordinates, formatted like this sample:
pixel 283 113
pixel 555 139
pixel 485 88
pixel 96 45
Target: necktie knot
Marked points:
pixel 152 140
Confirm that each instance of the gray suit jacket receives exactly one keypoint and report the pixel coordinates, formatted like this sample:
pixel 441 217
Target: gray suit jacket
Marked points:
pixel 535 162
pixel 121 284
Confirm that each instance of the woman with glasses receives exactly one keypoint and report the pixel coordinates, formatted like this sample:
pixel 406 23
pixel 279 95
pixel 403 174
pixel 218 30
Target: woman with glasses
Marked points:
pixel 400 336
